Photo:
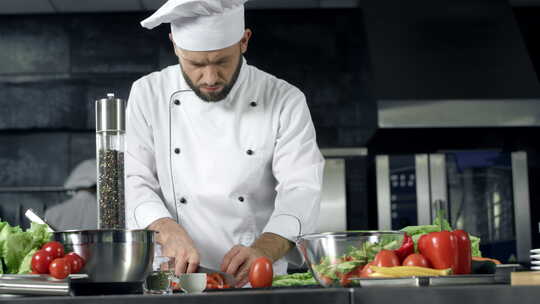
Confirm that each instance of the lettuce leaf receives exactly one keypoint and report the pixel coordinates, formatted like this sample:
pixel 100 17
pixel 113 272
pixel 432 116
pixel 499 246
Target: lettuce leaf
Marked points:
pixel 16 246
pixel 39 233
pixel 26 264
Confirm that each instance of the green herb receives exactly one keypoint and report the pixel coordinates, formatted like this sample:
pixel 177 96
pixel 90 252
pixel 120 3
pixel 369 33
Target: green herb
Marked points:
pixel 159 280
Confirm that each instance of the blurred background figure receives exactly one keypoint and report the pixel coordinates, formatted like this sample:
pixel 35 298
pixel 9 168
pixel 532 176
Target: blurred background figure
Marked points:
pixel 80 211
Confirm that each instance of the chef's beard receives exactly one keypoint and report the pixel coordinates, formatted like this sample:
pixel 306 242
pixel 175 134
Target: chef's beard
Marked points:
pixel 218 96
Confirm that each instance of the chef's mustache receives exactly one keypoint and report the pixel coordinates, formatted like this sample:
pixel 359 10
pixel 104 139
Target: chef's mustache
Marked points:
pixel 205 85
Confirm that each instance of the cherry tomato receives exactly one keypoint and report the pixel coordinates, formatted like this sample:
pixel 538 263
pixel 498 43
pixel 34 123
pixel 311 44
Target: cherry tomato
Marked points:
pixel 386 258
pixel 60 268
pixel 74 255
pixel 416 259
pixel 261 273
pixel 55 248
pixel 74 263
pixel 41 260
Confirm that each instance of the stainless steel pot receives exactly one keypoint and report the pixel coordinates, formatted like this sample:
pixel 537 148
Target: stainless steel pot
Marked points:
pixel 112 255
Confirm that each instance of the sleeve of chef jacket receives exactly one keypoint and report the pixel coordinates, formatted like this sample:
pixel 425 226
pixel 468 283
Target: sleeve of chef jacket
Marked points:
pixel 144 203
pixel 298 167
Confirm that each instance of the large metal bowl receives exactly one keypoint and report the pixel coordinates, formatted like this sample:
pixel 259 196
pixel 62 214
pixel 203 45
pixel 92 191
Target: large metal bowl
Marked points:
pixel 329 255
pixel 111 255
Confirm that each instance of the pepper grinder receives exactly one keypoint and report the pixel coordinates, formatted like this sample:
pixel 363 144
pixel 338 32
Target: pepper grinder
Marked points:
pixel 110 147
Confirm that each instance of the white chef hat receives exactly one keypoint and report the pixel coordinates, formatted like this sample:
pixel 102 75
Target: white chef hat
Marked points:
pixel 201 25
pixel 83 176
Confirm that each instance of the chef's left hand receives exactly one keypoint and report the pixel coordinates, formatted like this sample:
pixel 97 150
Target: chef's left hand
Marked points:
pixel 238 261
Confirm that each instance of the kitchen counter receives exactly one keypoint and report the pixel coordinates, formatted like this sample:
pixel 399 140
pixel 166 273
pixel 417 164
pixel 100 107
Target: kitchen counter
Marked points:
pixel 472 294
pixel 493 294
pixel 281 295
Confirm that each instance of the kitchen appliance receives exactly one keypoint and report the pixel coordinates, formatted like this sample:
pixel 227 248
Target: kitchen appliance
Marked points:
pixel 110 148
pixel 322 249
pixel 111 255
pixel 344 190
pixel 484 192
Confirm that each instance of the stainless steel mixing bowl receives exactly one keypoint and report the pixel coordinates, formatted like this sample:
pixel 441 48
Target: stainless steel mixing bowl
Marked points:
pixel 330 255
pixel 111 255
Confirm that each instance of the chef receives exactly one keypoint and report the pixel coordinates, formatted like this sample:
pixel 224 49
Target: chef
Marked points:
pixel 221 157
pixel 79 212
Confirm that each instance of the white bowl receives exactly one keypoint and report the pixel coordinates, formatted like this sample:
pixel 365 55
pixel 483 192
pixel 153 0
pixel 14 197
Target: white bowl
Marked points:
pixel 192 282
pixel 535 262
pixel 535 268
pixel 537 251
pixel 535 256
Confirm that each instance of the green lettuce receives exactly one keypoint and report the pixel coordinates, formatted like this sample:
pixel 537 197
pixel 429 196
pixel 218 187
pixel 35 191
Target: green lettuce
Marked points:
pixel 17 246
pixel 26 264
pixel 39 233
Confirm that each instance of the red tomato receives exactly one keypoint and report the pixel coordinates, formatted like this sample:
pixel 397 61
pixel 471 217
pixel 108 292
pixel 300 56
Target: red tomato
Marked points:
pixel 261 273
pixel 386 258
pixel 74 263
pixel 366 271
pixel 79 258
pixel 416 259
pixel 41 260
pixel 60 268
pixel 55 248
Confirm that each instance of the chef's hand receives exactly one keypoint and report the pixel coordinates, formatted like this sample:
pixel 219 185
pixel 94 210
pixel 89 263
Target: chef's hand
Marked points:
pixel 175 242
pixel 238 261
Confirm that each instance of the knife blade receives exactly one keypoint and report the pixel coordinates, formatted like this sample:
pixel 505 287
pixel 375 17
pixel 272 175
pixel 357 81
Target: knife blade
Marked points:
pixel 32 216
pixel 229 278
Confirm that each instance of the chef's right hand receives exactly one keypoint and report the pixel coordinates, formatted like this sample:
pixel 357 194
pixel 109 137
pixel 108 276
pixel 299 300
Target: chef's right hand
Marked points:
pixel 175 242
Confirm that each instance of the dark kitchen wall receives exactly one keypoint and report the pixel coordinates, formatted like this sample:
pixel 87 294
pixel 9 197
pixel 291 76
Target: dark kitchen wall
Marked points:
pixel 53 68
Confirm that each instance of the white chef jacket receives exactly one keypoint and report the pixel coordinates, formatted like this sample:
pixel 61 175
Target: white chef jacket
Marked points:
pixel 226 171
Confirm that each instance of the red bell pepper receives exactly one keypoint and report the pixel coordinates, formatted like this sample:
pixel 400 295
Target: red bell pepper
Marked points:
pixel 407 247
pixel 441 249
pixel 464 252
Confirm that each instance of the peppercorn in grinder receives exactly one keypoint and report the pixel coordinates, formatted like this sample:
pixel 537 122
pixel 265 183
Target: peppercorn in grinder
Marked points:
pixel 110 147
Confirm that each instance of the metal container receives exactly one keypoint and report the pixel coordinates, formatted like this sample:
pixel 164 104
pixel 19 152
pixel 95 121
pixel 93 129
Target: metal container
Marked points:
pixel 112 255
pixel 329 254
pixel 110 147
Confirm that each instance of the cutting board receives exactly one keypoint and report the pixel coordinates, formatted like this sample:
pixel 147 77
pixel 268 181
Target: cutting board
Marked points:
pixel 524 278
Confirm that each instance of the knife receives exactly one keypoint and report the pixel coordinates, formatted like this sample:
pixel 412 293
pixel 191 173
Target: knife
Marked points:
pixel 32 216
pixel 229 278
